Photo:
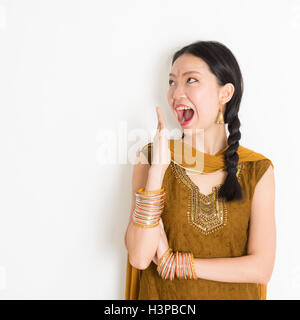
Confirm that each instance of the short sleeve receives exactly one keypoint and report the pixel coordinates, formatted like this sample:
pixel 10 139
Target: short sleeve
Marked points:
pixel 259 167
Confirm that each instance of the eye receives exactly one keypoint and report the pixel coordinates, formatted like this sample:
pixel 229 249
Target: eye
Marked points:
pixel 188 79
pixel 192 78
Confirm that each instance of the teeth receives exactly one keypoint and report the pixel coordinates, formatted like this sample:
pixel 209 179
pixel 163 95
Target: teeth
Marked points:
pixel 183 108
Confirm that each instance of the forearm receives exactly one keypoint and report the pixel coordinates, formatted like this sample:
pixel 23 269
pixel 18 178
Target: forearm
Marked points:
pixel 155 178
pixel 142 242
pixel 141 245
pixel 245 269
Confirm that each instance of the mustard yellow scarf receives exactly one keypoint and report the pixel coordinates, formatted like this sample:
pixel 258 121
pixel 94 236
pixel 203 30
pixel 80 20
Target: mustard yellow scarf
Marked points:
pixel 190 158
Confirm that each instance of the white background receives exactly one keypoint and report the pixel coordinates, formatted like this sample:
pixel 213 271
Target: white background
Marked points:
pixel 69 69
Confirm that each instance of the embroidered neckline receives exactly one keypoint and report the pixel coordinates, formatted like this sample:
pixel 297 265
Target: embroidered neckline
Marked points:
pixel 208 213
pixel 214 188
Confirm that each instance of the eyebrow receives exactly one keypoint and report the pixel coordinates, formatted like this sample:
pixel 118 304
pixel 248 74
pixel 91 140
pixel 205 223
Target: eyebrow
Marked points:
pixel 171 74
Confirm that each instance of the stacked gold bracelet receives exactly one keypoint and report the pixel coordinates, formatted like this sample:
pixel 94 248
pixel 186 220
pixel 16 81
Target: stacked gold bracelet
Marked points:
pixel 149 206
pixel 177 263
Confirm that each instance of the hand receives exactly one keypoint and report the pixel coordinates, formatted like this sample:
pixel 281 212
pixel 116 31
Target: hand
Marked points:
pixel 163 244
pixel 161 157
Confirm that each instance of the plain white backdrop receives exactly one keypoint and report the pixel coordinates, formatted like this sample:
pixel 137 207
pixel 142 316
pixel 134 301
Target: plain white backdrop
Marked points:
pixel 71 70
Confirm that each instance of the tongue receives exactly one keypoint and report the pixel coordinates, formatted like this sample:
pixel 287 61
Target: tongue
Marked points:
pixel 180 114
pixel 188 114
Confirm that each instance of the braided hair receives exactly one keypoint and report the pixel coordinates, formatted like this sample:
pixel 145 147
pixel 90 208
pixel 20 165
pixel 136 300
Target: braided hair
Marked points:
pixel 224 66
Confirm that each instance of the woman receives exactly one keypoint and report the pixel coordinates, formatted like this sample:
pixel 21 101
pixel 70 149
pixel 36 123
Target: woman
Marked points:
pixel 202 229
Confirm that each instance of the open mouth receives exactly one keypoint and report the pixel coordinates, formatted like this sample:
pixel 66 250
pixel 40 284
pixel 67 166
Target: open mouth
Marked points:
pixel 185 116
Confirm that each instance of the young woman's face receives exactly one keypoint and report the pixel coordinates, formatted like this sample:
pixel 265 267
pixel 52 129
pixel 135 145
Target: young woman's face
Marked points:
pixel 198 89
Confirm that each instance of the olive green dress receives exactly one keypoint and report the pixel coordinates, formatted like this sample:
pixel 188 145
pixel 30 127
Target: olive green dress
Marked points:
pixel 207 226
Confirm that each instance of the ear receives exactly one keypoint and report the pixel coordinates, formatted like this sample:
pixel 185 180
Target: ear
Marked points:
pixel 226 93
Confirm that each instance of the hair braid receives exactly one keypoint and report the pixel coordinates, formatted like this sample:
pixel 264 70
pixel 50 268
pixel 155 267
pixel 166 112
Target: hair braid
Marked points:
pixel 231 188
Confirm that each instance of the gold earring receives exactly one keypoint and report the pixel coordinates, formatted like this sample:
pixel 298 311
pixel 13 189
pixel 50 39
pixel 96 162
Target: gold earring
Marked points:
pixel 220 119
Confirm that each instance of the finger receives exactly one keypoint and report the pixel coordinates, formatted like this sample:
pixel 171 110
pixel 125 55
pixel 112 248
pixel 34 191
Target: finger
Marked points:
pixel 160 118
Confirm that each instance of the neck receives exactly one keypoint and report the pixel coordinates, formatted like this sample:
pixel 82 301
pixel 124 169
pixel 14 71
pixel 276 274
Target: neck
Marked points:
pixel 209 141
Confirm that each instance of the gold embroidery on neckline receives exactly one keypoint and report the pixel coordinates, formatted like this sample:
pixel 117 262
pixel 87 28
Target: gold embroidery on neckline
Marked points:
pixel 207 213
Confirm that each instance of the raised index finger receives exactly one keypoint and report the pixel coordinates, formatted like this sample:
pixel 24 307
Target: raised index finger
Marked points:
pixel 161 121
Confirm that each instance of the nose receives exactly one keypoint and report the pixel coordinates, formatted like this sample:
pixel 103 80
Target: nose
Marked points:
pixel 178 93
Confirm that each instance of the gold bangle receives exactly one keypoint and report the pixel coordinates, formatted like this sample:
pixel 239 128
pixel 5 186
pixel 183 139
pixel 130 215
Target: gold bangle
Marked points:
pixel 166 265
pixel 141 191
pixel 172 274
pixel 193 267
pixel 168 274
pixel 145 226
pixel 184 266
pixel 189 267
pixel 162 258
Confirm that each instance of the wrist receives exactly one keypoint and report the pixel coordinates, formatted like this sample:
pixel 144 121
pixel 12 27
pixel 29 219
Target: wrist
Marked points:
pixel 176 264
pixel 157 170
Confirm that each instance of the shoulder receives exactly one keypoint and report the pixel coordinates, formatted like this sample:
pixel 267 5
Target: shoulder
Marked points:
pixel 140 167
pixel 256 161
pixel 258 168
pixel 145 150
pixel 146 146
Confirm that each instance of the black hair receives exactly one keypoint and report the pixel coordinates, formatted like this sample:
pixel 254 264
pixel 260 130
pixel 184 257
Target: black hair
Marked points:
pixel 224 66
